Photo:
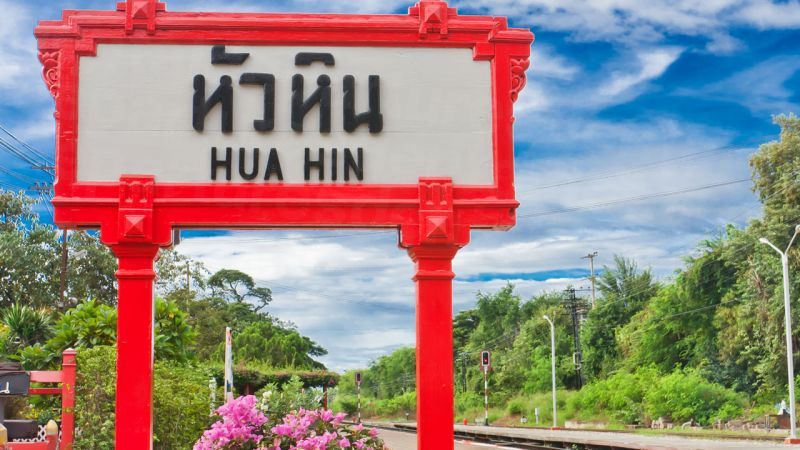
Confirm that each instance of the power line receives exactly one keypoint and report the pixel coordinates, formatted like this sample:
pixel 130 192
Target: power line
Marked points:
pixel 5 145
pixel 632 199
pixel 45 159
pixel 613 174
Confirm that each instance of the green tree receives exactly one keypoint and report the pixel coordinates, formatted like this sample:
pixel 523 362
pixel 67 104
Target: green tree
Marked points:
pixel 91 268
pixel 93 324
pixel 464 324
pixel 237 287
pixel 498 317
pixel 526 365
pixel 29 255
pixel 624 292
pixel 270 343
pixel 175 271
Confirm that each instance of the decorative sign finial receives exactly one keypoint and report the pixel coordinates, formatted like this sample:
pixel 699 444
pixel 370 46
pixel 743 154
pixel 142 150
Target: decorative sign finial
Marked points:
pixel 141 14
pixel 433 16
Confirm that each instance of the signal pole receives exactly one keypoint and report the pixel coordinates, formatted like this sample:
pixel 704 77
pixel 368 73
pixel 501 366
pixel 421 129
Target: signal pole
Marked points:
pixel 486 362
pixel 358 394
pixel 591 257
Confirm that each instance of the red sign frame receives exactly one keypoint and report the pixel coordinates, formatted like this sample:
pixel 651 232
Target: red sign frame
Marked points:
pixel 136 216
pixel 429 24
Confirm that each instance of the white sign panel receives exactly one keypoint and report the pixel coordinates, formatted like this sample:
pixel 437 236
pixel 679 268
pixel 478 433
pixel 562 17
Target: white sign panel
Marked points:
pixel 264 114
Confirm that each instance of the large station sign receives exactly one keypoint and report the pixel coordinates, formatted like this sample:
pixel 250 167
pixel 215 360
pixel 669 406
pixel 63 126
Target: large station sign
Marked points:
pixel 252 120
pixel 306 113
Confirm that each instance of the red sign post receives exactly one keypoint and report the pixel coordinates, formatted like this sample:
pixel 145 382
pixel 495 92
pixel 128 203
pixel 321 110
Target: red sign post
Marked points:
pixel 305 121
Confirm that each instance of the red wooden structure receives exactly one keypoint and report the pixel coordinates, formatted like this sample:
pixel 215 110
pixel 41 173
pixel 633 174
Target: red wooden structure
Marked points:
pixel 66 378
pixel 137 214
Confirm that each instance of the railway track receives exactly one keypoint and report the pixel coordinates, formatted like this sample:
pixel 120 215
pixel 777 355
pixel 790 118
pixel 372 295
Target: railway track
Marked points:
pixel 519 438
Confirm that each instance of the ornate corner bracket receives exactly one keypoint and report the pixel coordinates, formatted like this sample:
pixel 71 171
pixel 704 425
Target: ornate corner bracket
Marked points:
pixel 51 70
pixel 141 14
pixel 519 79
pixel 433 18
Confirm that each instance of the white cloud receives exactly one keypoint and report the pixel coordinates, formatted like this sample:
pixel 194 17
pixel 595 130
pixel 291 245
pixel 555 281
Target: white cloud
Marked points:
pixel 762 87
pixel 636 22
pixel 767 15
pixel 652 64
pixel 545 62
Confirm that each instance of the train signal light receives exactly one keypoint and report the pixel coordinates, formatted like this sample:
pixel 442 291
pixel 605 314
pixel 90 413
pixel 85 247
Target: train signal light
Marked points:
pixel 358 378
pixel 486 359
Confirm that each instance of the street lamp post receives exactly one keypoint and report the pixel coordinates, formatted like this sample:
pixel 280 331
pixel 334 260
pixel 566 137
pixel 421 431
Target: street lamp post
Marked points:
pixel 788 318
pixel 553 365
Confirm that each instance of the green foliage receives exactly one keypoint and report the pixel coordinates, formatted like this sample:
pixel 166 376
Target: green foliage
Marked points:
pixel 175 270
pixel 268 343
pixel 625 291
pixel 181 403
pixel 346 403
pixel 235 286
pixel 29 255
pixel 392 375
pixel 90 324
pixel 686 394
pixel 620 397
pixel 291 396
pixel 516 407
pixel 94 399
pixel 174 335
pixel 466 401
pixel 180 397
pixel 497 315
pixel 90 272
pixel 26 326
pixel 252 379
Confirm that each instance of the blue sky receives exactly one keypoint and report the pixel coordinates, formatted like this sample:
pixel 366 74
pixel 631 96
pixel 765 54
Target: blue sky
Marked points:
pixel 625 99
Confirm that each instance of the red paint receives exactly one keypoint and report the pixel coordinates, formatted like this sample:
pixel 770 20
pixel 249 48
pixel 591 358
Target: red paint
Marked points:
pixel 66 376
pixel 136 216
pixel 135 340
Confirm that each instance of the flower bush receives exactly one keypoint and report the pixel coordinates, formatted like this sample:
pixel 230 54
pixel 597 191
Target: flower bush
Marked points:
pixel 244 427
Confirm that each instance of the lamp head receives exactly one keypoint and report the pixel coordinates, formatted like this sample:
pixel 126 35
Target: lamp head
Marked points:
pixel 797 229
pixel 546 317
pixel 763 241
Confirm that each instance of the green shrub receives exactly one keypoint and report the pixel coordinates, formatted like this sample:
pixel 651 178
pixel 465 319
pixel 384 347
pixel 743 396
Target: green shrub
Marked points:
pixel 686 394
pixel 398 406
pixel 345 403
pixel 180 398
pixel 291 396
pixel 517 406
pixel 181 401
pixel 94 399
pixel 466 401
pixel 618 397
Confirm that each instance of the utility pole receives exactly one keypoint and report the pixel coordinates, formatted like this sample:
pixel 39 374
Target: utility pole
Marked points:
pixel 576 308
pixel 792 439
pixel 188 278
pixel 64 262
pixel 591 257
pixel 43 190
pixel 464 372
